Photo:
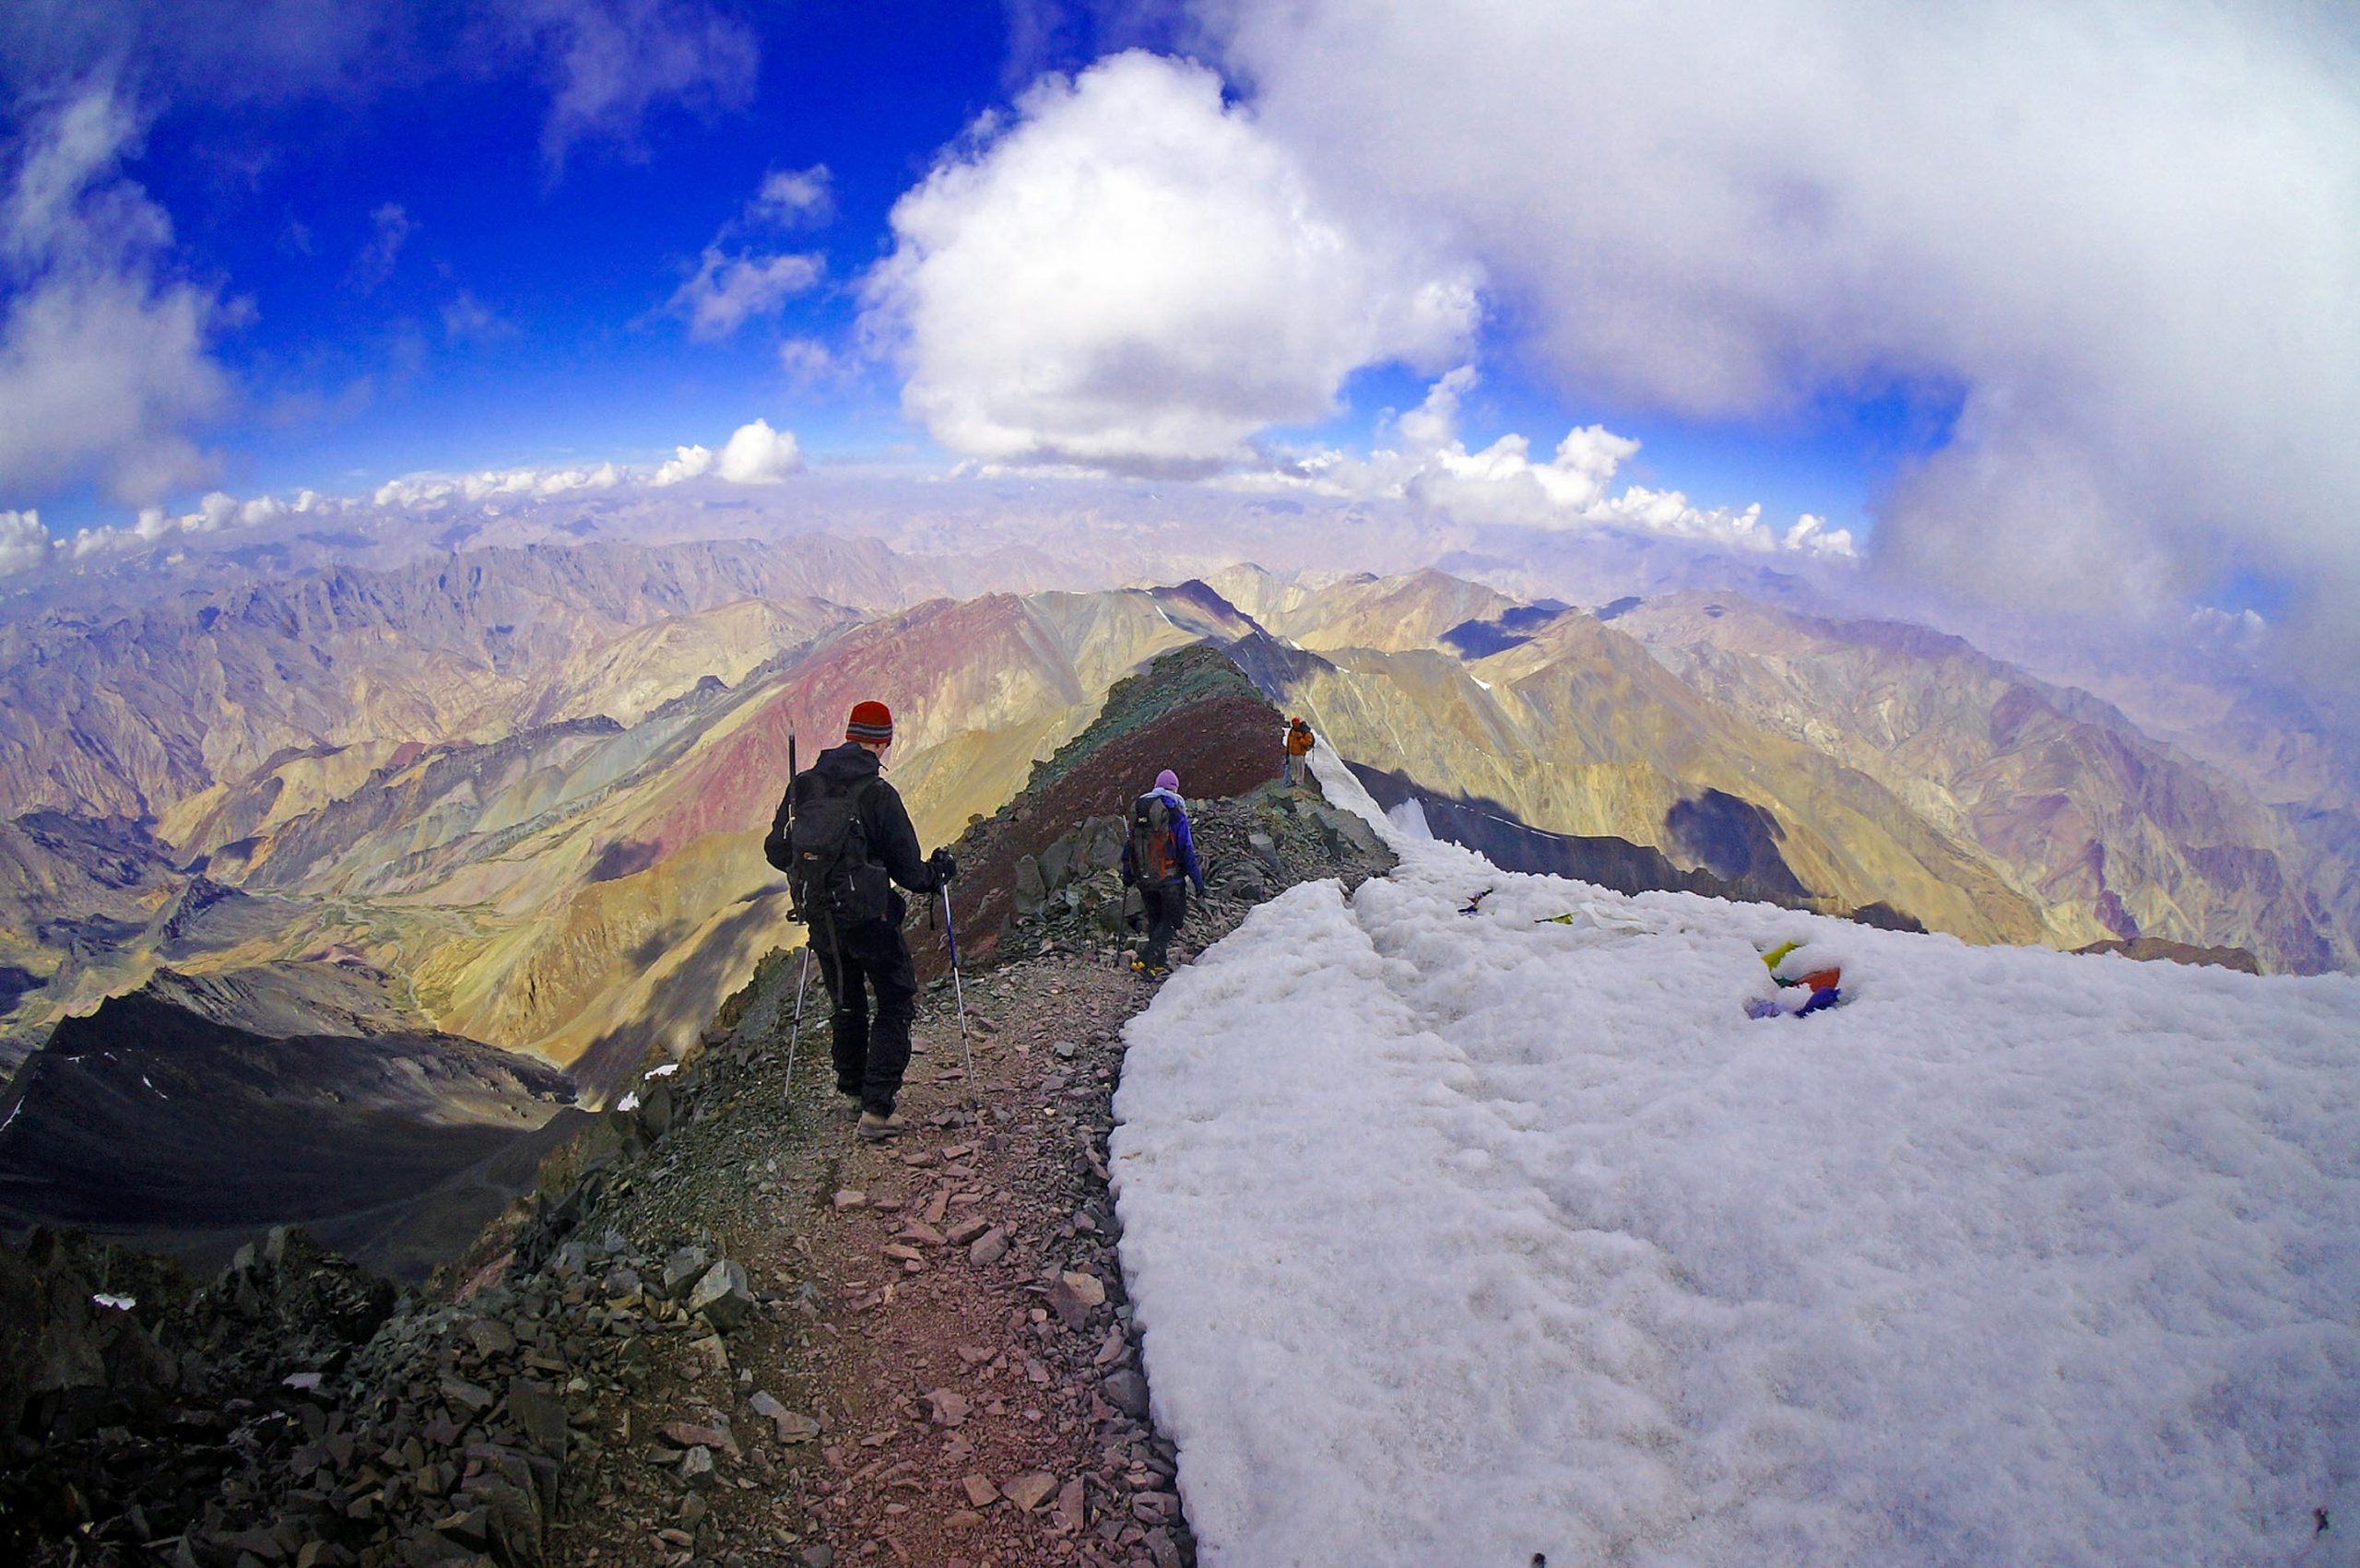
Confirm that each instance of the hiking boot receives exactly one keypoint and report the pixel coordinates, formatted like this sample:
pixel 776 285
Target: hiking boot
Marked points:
pixel 875 1128
pixel 849 1107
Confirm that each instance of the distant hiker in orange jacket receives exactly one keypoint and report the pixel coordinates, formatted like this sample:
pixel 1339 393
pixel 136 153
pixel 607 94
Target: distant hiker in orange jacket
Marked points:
pixel 1298 744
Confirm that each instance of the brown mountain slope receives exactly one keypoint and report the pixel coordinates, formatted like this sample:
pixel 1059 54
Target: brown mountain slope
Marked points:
pixel 73 890
pixel 1192 711
pixel 2111 834
pixel 587 887
pixel 1361 611
pixel 978 689
pixel 129 712
pixel 1578 730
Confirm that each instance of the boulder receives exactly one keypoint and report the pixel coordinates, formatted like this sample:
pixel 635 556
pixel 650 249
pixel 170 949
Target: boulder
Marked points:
pixel 655 1110
pixel 539 1413
pixel 1057 861
pixel 696 1467
pixel 721 1296
pixel 510 1523
pixel 1127 1391
pixel 684 1269
pixel 792 1428
pixel 1106 837
pixel 1029 1492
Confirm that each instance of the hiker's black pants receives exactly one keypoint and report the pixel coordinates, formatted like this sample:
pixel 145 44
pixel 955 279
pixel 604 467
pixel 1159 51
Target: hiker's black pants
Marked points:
pixel 1166 904
pixel 871 1055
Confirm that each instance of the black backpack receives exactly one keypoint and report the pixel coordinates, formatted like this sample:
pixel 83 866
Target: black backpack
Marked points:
pixel 1155 856
pixel 830 874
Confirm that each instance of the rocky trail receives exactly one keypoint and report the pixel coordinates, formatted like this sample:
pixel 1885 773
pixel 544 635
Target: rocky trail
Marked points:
pixel 723 1331
pixel 951 1372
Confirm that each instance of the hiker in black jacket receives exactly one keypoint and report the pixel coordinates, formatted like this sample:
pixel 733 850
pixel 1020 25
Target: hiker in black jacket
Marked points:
pixel 851 841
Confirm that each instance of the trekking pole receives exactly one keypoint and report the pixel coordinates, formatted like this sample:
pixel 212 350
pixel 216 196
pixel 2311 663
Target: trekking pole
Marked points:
pixel 785 818
pixel 951 935
pixel 796 1028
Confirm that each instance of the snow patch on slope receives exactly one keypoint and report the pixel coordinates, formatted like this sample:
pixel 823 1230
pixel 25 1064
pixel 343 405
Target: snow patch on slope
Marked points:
pixel 1459 1238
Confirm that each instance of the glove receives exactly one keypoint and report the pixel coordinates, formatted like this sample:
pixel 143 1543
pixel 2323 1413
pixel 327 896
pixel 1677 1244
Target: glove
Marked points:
pixel 943 866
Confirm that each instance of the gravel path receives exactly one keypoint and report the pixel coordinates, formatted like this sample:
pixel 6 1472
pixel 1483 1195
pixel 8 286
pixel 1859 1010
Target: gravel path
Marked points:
pixel 947 1310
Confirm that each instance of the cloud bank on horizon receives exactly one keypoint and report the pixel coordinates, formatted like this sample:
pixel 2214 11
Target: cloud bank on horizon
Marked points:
pixel 2118 243
pixel 754 455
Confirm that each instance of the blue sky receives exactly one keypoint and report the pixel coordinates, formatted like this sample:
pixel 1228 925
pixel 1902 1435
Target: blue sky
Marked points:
pixel 2010 293
pixel 572 265
pixel 507 309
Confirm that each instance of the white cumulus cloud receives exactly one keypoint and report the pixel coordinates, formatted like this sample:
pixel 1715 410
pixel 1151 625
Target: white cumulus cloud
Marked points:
pixel 1129 274
pixel 2124 236
pixel 431 492
pixel 24 543
pixel 691 463
pixel 1573 489
pixel 219 511
pixel 756 454
pixel 105 360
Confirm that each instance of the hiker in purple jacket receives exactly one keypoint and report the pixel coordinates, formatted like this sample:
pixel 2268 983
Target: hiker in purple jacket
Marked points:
pixel 1160 859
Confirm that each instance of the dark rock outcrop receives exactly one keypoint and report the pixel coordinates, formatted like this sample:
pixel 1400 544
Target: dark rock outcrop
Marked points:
pixel 194 1112
pixel 2154 949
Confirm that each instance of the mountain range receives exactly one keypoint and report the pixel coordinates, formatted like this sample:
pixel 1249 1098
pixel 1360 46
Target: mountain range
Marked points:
pixel 528 780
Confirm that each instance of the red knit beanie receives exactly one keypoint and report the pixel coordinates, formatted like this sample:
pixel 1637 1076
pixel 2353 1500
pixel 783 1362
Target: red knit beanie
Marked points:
pixel 870 721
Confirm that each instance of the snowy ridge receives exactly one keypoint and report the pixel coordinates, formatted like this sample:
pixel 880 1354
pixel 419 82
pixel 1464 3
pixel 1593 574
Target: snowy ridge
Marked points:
pixel 1463 1237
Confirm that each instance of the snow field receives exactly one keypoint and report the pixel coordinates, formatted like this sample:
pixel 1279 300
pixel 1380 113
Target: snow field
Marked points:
pixel 1460 1238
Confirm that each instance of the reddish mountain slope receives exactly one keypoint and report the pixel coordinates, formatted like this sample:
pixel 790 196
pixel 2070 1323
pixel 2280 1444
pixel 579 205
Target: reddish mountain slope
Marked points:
pixel 1192 711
